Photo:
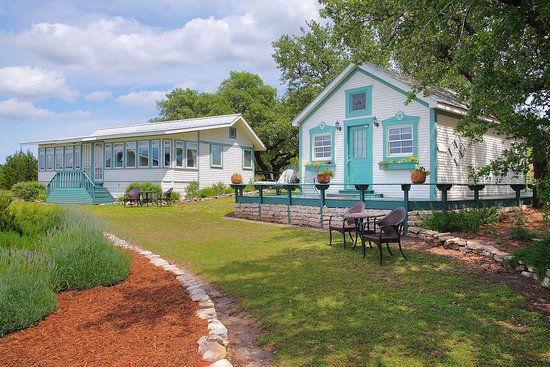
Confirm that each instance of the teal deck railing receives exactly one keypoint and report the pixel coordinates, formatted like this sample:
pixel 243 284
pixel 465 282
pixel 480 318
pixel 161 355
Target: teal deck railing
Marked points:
pixel 318 196
pixel 72 180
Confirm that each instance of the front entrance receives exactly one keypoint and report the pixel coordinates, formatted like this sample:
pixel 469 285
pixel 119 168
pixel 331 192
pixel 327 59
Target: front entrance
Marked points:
pixel 358 152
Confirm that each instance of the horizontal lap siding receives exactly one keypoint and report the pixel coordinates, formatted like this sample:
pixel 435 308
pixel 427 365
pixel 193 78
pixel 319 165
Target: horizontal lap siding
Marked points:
pixel 45 176
pixel 386 102
pixel 477 154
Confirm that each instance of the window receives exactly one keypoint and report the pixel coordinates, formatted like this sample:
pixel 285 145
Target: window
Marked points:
pixel 179 153
pixel 77 157
pixel 143 151
pixel 69 157
pixel 108 156
pixel 358 101
pixel 155 153
pixel 216 159
pixel 191 153
pixel 41 158
pixel 118 149
pixel 167 153
pixel 400 140
pixel 49 159
pixel 233 132
pixel 131 154
pixel 58 158
pixel 247 158
pixel 322 147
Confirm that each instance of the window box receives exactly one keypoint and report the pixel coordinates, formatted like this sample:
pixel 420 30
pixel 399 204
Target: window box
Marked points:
pixel 399 166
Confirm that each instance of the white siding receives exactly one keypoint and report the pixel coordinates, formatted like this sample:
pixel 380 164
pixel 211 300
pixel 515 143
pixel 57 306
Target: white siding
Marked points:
pixel 386 102
pixel 477 154
pixel 45 176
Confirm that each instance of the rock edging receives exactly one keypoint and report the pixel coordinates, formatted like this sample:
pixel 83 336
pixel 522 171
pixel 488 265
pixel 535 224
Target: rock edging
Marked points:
pixel 456 243
pixel 213 346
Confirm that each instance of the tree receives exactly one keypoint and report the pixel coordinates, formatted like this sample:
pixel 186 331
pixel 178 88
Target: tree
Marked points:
pixel 19 167
pixel 494 53
pixel 243 93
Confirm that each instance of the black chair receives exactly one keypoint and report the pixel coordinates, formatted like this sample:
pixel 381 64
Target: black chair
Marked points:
pixel 166 197
pixel 348 225
pixel 133 197
pixel 390 228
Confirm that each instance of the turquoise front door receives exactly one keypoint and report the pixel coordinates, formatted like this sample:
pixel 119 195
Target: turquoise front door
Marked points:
pixel 358 157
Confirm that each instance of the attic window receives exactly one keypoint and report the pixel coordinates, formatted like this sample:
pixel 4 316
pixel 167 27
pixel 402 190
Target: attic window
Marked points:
pixel 358 101
pixel 233 133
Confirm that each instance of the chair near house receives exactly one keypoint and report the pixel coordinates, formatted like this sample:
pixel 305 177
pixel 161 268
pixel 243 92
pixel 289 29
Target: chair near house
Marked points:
pixel 165 198
pixel 389 231
pixel 133 197
pixel 347 225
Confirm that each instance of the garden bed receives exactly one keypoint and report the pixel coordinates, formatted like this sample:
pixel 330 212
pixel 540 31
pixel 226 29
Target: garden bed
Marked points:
pixel 147 320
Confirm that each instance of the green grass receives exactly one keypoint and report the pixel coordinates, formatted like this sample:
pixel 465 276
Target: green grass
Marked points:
pixel 323 306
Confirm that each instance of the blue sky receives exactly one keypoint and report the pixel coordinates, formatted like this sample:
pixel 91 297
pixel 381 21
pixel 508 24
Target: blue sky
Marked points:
pixel 70 67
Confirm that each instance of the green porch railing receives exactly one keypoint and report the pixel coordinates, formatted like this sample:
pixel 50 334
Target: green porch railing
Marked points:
pixel 72 180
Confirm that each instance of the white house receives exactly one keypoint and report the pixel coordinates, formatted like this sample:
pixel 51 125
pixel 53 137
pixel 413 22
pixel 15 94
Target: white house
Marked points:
pixel 362 127
pixel 97 167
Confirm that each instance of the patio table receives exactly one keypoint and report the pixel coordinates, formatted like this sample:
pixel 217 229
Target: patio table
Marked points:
pixel 149 197
pixel 360 226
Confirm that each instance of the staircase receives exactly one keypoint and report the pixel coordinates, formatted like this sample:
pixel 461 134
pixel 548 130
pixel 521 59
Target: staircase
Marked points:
pixel 75 187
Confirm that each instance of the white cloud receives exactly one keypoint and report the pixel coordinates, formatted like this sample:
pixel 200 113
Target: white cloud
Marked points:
pixel 145 99
pixel 16 110
pixel 98 95
pixel 29 83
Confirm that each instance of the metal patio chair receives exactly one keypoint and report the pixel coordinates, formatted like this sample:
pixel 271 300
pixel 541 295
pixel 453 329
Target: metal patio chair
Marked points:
pixel 133 197
pixel 166 197
pixel 347 225
pixel 390 228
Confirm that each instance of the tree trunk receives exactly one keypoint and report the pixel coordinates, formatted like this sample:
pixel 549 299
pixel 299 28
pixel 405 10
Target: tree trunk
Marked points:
pixel 540 170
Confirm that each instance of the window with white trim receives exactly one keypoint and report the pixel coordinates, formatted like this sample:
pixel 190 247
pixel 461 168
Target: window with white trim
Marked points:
pixel 77 157
pixel 131 154
pixel 179 153
pixel 69 157
pixel 400 141
pixel 59 158
pixel 49 159
pixel 322 147
pixel 41 158
pixel 118 152
pixel 155 153
pixel 216 155
pixel 247 158
pixel 108 156
pixel 167 153
pixel 143 153
pixel 191 153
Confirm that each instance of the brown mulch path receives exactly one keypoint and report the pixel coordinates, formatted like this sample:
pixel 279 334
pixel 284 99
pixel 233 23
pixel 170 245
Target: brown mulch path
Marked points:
pixel 147 320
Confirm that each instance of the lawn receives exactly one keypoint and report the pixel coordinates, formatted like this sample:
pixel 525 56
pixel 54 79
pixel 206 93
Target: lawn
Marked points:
pixel 324 306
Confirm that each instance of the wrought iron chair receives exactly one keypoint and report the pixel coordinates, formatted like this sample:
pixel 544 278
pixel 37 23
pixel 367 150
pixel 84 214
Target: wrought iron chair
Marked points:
pixel 166 197
pixel 390 228
pixel 348 225
pixel 133 197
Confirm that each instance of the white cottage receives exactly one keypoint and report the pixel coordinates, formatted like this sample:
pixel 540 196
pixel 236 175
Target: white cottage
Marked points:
pixel 97 167
pixel 362 127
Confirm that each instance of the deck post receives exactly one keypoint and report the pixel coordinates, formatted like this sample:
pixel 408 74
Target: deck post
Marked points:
pixel 476 189
pixel 517 188
pixel 362 188
pixel 406 188
pixel 322 188
pixel 444 188
pixel 289 195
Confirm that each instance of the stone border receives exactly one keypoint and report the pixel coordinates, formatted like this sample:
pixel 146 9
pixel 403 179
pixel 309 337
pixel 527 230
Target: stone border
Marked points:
pixel 456 243
pixel 212 347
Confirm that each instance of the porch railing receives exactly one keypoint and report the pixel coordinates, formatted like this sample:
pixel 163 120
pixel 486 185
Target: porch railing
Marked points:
pixel 72 180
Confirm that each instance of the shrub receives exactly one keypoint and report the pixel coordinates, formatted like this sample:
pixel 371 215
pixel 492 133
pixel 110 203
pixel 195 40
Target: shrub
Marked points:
pixel 220 188
pixel 28 191
pixel 34 220
pixel 26 294
pixel 12 240
pixel 466 220
pixel 145 186
pixel 522 233
pixel 536 255
pixel 175 196
pixel 207 192
pixel 7 219
pixel 192 190
pixel 133 185
pixel 249 187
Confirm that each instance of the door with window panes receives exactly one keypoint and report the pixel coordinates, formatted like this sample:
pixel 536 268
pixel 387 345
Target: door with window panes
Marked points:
pixel 359 169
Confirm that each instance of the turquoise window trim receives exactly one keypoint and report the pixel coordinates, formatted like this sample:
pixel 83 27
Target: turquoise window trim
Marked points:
pixel 252 158
pixel 433 153
pixel 55 159
pixel 221 158
pixel 328 129
pixel 123 155
pixel 176 142
pixel 105 156
pixel 52 149
pixel 138 165
pixel 216 143
pixel 65 156
pixel 368 101
pixel 393 121
pixel 159 152
pixel 197 164
pixel 126 154
pixel 80 156
pixel 43 159
pixel 358 122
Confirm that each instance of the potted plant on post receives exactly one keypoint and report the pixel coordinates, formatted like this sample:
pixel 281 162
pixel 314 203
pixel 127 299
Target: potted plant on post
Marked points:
pixel 323 177
pixel 236 179
pixel 418 175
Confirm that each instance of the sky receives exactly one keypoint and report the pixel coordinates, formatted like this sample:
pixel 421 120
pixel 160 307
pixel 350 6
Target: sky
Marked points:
pixel 70 67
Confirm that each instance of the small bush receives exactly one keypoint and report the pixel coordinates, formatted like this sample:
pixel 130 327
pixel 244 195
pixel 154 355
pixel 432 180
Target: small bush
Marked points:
pixel 28 191
pixel 192 190
pixel 207 192
pixel 26 294
pixel 466 220
pixel 145 186
pixel 220 189
pixel 537 255
pixel 12 240
pixel 7 218
pixel 522 233
pixel 249 187
pixel 175 196
pixel 35 220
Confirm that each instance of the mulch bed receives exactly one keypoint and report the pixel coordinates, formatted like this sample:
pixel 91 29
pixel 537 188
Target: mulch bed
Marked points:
pixel 147 320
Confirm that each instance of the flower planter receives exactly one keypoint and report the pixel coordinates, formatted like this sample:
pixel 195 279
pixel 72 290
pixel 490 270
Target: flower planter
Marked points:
pixel 418 177
pixel 236 179
pixel 323 178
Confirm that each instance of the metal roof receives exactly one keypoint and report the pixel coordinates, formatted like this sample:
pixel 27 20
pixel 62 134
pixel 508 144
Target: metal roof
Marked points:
pixel 160 128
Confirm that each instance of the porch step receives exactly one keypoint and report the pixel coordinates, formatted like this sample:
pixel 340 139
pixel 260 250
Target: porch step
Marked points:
pixel 69 196
pixel 102 196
